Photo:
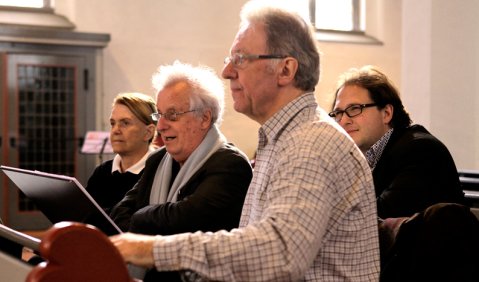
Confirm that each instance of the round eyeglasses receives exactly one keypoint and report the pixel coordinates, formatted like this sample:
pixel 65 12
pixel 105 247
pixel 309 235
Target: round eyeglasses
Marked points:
pixel 351 111
pixel 169 115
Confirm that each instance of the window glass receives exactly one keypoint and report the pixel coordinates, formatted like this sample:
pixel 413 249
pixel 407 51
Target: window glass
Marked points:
pixel 341 21
pixel 335 15
pixel 340 15
pixel 25 3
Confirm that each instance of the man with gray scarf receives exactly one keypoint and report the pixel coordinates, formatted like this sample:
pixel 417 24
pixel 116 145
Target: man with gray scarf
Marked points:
pixel 197 181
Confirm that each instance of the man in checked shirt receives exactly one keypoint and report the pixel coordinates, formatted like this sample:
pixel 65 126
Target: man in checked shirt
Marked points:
pixel 310 211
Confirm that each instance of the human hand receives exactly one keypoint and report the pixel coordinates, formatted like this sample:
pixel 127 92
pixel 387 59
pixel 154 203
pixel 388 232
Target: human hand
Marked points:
pixel 135 248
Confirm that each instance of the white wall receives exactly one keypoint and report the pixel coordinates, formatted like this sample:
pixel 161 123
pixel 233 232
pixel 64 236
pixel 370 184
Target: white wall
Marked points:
pixel 440 72
pixel 383 23
pixel 147 33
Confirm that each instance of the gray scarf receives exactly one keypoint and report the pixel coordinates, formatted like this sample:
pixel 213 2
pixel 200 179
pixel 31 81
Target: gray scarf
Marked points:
pixel 161 191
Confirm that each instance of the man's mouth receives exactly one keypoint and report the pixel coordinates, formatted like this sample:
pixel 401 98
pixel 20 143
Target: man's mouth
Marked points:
pixel 234 89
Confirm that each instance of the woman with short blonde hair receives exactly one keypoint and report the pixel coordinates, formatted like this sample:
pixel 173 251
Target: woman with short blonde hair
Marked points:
pixel 131 134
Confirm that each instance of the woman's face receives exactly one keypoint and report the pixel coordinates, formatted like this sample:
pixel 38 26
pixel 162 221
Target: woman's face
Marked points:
pixel 128 134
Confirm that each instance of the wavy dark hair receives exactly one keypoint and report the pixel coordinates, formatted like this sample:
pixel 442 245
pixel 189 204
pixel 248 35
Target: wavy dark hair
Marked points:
pixel 381 90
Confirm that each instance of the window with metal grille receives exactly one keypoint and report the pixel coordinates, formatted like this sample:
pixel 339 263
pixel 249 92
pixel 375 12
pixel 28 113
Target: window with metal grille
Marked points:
pixel 46 120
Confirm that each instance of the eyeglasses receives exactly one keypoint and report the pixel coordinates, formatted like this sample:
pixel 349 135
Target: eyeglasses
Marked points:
pixel 170 115
pixel 351 111
pixel 239 59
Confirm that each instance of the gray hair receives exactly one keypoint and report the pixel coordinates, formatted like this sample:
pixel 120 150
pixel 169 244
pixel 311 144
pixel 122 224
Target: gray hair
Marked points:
pixel 287 33
pixel 207 88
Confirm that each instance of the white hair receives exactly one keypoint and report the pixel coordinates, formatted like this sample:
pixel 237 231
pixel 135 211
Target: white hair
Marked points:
pixel 207 88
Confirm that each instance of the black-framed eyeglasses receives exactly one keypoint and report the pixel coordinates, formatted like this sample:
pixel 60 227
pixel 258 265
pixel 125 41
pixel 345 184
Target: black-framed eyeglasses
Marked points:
pixel 239 59
pixel 169 115
pixel 351 111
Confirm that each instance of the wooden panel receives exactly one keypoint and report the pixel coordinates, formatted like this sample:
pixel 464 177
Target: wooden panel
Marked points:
pixel 77 252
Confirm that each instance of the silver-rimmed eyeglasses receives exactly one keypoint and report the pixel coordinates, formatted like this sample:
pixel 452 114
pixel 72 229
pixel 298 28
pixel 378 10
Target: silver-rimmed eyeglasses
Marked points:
pixel 169 115
pixel 351 111
pixel 237 60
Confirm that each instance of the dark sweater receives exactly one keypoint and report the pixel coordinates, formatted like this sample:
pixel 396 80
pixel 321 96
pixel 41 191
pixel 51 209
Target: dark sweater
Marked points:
pixel 109 188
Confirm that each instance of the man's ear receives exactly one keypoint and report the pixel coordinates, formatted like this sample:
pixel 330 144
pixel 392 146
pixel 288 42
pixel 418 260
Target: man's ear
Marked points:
pixel 287 71
pixel 206 119
pixel 388 112
pixel 150 131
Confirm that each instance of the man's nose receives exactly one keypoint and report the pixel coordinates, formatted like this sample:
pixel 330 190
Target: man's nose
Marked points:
pixel 345 119
pixel 229 71
pixel 162 124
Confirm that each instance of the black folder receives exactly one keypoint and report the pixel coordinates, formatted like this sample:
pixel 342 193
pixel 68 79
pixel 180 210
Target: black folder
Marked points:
pixel 61 198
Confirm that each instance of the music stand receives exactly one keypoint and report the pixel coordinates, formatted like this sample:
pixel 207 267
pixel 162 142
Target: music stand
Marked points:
pixel 97 142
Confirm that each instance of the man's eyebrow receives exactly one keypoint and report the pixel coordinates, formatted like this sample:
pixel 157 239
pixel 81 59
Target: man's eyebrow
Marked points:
pixel 348 105
pixel 170 109
pixel 238 51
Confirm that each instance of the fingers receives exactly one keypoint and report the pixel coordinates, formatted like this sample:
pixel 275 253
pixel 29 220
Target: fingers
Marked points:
pixel 134 248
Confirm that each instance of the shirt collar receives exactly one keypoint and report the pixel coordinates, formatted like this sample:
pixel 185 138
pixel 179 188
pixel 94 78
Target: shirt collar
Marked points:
pixel 136 168
pixel 274 127
pixel 374 153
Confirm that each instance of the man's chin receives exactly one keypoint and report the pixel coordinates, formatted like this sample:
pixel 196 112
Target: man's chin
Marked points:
pixel 239 108
pixel 355 139
pixel 242 108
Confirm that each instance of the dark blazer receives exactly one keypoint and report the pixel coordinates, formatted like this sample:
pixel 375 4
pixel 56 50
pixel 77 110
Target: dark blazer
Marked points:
pixel 211 200
pixel 414 172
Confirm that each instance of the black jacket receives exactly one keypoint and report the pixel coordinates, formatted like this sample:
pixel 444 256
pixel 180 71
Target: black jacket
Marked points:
pixel 414 172
pixel 211 200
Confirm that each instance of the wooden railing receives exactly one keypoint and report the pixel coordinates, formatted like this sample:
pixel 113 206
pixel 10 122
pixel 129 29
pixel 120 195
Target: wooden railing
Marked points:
pixel 71 252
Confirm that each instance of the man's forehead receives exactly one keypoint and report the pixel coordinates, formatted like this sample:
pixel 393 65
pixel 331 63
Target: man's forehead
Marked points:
pixel 352 94
pixel 168 101
pixel 173 106
pixel 249 37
